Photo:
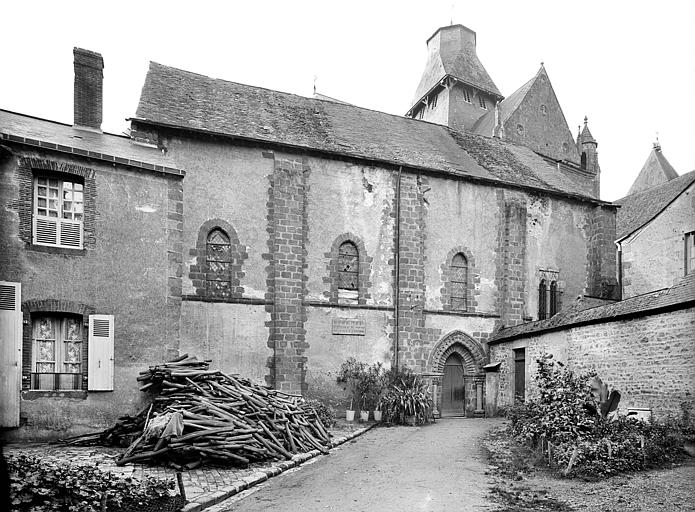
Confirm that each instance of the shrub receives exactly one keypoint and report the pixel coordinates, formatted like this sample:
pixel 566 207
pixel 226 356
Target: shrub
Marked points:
pixel 43 485
pixel 565 420
pixel 351 375
pixel 406 398
pixel 325 413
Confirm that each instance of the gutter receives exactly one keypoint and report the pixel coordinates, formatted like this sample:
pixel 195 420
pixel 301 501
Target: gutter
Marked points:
pixel 371 161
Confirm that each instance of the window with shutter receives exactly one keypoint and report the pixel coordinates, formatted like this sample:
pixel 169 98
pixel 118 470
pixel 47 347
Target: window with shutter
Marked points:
pixel 57 352
pixel 101 352
pixel 58 212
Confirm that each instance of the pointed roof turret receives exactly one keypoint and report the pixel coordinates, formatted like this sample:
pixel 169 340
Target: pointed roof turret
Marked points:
pixel 451 52
pixel 586 134
pixel 655 171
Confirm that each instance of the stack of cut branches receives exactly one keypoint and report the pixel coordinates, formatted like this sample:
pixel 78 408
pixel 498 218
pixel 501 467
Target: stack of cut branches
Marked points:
pixel 201 415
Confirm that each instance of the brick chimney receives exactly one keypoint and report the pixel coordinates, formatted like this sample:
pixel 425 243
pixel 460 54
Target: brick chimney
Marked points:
pixel 89 78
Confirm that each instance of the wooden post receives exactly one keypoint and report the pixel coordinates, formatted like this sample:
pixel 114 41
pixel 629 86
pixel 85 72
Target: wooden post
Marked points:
pixel 573 459
pixel 182 490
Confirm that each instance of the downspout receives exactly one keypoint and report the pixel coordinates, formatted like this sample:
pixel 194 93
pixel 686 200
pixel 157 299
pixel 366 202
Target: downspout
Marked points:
pixel 396 307
pixel 619 255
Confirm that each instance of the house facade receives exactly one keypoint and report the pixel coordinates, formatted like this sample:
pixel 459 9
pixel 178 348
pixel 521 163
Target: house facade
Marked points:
pixel 279 235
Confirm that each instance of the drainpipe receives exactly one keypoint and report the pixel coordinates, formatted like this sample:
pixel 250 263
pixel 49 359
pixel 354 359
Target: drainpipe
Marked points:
pixel 619 254
pixel 396 308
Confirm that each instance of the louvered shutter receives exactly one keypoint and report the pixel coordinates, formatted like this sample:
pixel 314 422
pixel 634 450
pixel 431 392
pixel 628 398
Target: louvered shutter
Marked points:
pixel 45 231
pixel 101 328
pixel 10 352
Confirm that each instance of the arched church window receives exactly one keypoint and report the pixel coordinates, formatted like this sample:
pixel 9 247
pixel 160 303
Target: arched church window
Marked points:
pixel 219 261
pixel 459 282
pixel 348 267
pixel 553 298
pixel 542 300
pixel 583 162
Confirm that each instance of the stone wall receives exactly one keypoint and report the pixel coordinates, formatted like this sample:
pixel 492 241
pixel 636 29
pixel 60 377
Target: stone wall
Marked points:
pixel 125 269
pixel 650 359
pixel 653 257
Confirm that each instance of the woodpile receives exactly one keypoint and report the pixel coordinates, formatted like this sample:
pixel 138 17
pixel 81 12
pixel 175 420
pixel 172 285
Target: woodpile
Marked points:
pixel 202 415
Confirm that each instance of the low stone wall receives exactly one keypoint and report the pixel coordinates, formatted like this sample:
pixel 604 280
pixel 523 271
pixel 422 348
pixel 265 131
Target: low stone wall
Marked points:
pixel 649 359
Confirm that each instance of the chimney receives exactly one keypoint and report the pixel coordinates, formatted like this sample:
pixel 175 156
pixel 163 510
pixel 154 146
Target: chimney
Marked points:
pixel 89 78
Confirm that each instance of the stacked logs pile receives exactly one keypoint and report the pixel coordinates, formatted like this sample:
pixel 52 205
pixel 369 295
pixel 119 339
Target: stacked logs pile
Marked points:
pixel 201 415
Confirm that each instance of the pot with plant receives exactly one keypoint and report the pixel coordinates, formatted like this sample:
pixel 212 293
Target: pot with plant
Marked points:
pixel 379 383
pixel 350 376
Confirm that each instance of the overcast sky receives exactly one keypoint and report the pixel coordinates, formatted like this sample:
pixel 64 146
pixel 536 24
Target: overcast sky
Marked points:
pixel 628 65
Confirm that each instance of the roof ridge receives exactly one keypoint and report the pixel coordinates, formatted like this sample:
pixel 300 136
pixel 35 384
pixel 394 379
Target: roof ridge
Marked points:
pixel 340 103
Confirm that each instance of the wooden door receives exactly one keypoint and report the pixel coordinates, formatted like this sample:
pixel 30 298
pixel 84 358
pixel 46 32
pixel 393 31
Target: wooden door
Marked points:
pixel 10 353
pixel 452 386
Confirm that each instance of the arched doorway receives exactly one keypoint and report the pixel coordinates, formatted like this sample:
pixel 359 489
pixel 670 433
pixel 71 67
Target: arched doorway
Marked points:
pixel 458 379
pixel 453 393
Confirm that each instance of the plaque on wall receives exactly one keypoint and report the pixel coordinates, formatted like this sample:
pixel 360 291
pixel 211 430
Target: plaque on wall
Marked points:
pixel 350 326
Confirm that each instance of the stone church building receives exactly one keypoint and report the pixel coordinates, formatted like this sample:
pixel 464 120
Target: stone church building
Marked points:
pixel 279 235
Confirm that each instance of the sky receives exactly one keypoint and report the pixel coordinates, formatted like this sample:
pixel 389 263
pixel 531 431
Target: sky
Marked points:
pixel 627 65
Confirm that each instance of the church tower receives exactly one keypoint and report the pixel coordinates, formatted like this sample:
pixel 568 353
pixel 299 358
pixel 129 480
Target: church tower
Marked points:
pixel 455 89
pixel 588 155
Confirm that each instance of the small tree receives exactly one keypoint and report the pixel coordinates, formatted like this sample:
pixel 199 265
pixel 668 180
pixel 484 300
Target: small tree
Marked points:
pixel 352 375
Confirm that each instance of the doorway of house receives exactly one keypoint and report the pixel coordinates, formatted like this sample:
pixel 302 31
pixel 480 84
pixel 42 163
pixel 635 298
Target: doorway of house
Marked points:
pixel 453 387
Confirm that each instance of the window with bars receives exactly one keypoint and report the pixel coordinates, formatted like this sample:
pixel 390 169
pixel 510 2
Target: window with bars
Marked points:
pixel 57 350
pixel 219 263
pixel 58 212
pixel 542 300
pixel 689 252
pixel 348 267
pixel 459 282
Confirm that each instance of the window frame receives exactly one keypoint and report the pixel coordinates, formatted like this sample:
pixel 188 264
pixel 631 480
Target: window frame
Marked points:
pixel 542 300
pixel 214 279
pixel 60 339
pixel 466 95
pixel 355 274
pixel 45 226
pixel 481 102
pixel 553 299
pixel 689 252
pixel 459 288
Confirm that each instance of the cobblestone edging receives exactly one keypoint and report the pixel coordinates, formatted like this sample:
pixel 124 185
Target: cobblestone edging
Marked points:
pixel 204 501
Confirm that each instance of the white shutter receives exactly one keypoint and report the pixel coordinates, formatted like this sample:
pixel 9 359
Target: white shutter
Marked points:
pixel 45 231
pixel 10 352
pixel 100 352
pixel 71 234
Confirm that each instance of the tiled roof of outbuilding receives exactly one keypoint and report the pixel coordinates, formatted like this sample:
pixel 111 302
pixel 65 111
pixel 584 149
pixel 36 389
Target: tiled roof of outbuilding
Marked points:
pixel 583 311
pixel 65 138
pixel 181 99
pixel 636 210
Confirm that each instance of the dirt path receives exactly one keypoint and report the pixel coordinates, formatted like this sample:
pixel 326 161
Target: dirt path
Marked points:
pixel 432 468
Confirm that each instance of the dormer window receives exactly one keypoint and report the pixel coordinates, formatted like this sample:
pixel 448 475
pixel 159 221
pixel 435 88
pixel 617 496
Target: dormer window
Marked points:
pixel 481 101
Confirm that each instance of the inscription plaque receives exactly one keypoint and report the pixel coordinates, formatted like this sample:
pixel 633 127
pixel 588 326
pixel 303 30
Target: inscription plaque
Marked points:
pixel 350 326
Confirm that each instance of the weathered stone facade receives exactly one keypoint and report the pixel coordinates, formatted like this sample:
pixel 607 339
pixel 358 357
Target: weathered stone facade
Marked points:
pixel 649 358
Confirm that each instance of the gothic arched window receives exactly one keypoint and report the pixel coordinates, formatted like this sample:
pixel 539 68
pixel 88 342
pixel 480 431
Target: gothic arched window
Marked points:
pixel 218 256
pixel 348 267
pixel 553 298
pixel 542 300
pixel 583 163
pixel 459 282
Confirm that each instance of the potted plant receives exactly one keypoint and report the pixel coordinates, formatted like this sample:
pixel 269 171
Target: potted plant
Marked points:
pixel 350 376
pixel 378 382
pixel 407 400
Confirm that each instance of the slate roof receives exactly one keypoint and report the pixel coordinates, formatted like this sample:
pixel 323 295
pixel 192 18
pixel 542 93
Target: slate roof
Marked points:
pixel 636 210
pixel 655 171
pixel 65 138
pixel 680 294
pixel 463 65
pixel 181 99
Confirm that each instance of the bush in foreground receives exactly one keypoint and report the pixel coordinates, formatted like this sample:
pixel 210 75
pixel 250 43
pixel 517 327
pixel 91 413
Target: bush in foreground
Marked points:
pixel 40 485
pixel 565 423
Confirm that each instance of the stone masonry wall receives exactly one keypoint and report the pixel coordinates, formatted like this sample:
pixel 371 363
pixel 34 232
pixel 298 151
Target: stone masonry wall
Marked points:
pixel 649 359
pixel 653 257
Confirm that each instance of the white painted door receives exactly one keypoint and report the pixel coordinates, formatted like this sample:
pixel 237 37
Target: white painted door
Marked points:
pixel 100 349
pixel 10 352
